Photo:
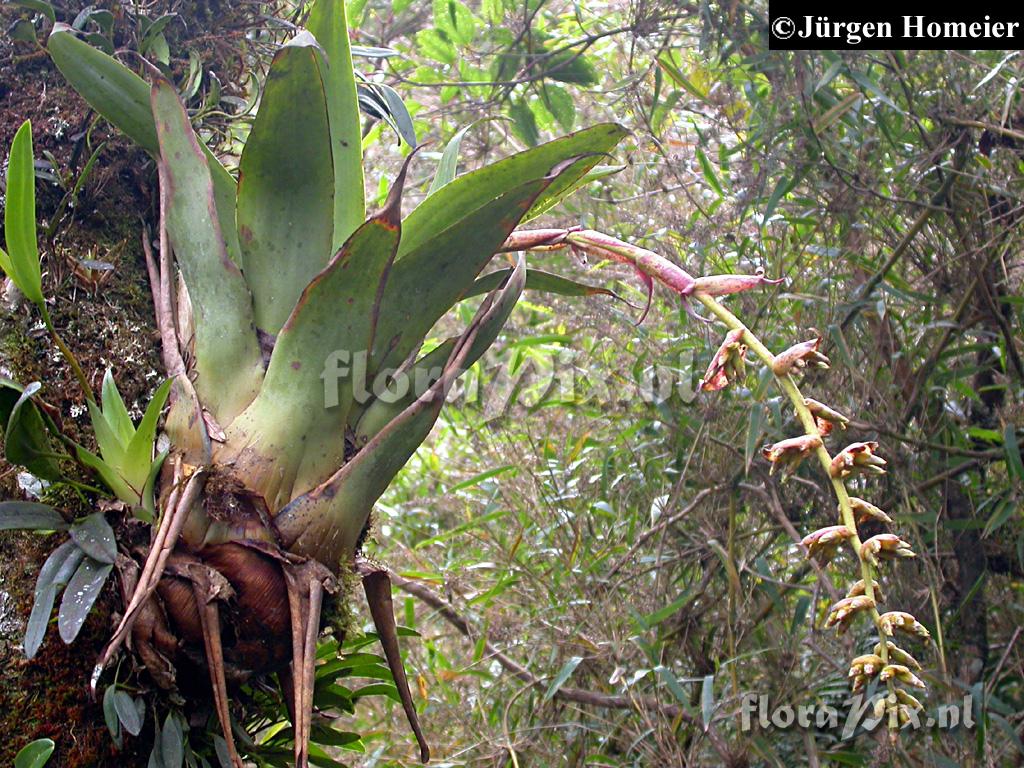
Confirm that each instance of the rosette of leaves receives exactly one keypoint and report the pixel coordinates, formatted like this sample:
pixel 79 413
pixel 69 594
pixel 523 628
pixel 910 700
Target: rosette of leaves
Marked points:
pixel 263 286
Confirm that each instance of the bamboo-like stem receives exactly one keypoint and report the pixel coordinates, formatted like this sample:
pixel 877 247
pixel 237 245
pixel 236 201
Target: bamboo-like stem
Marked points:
pixel 792 391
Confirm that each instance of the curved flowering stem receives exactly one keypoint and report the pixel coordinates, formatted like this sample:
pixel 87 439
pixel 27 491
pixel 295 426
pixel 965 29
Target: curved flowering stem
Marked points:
pixel 888 662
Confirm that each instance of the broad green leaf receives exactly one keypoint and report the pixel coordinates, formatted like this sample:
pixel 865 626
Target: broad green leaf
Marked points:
pixel 328 24
pixel 21 261
pixel 30 516
pixel 469 191
pixel 41 6
pixel 524 122
pixel 110 476
pixel 79 597
pixel 123 98
pixel 95 537
pixel 227 354
pixel 299 417
pixel 326 522
pixel 562 677
pixel 456 20
pixel 571 67
pixel 286 186
pixel 37 754
pixel 138 458
pixel 26 442
pixel 560 104
pixel 436 272
pixel 114 411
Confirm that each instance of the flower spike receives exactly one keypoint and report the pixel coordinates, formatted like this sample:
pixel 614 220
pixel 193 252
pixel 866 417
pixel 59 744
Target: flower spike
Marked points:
pixel 788 454
pixel 727 364
pixel 800 356
pixel 858 457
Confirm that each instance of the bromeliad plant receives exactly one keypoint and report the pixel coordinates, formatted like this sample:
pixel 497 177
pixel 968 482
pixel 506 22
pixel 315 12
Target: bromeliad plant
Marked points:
pixel 276 454
pixel 277 302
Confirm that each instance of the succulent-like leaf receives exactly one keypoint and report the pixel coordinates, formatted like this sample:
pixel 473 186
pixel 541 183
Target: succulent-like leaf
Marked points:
pixel 286 186
pixel 122 97
pixel 21 262
pixel 326 522
pixel 26 442
pixel 79 597
pixel 448 204
pixel 55 573
pixel 328 24
pixel 95 537
pixel 228 360
pixel 299 418
pixel 30 516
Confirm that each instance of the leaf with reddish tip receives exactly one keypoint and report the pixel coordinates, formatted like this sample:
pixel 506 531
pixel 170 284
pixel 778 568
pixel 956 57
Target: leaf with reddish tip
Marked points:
pixel 377 586
pixel 228 360
pixel 429 279
pixel 326 522
pixel 299 417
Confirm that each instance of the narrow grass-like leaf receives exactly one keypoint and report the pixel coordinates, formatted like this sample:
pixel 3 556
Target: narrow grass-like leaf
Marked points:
pixel 21 262
pixel 538 280
pixel 1012 449
pixel 329 25
pixel 79 597
pixel 228 360
pixel 707 701
pixel 95 537
pixel 449 162
pixel 286 185
pixel 562 677
pixel 30 516
pixel 139 453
